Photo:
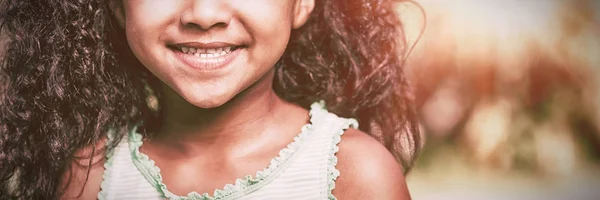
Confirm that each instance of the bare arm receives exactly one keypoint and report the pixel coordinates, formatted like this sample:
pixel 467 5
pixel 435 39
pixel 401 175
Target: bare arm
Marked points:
pixel 77 184
pixel 368 170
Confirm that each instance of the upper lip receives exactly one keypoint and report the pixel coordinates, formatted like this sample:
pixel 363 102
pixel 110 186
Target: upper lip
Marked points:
pixel 200 45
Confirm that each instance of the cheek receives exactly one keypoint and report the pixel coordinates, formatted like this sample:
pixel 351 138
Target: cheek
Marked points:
pixel 266 17
pixel 145 22
pixel 140 13
pixel 270 26
pixel 145 19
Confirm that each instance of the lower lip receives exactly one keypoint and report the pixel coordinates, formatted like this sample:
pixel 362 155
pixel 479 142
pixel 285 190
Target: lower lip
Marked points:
pixel 208 64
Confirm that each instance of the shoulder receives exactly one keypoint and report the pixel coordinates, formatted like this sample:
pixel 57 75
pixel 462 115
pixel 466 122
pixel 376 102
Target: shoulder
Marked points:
pixel 83 178
pixel 367 169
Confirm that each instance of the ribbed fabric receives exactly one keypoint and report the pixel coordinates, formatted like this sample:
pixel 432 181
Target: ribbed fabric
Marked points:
pixel 309 172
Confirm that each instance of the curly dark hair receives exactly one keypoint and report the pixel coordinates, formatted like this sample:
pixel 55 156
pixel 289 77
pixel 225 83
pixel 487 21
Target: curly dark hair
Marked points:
pixel 68 75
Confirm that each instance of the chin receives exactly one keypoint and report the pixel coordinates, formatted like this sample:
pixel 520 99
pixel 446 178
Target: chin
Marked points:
pixel 208 101
pixel 201 96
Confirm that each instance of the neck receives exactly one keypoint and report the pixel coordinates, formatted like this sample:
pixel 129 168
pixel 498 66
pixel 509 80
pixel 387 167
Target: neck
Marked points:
pixel 242 119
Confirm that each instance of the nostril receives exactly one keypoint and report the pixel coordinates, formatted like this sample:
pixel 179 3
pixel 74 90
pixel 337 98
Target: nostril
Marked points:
pixel 200 27
pixel 204 15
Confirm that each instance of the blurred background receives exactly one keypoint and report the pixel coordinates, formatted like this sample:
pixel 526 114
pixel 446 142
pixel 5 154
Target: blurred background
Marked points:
pixel 509 97
pixel 508 93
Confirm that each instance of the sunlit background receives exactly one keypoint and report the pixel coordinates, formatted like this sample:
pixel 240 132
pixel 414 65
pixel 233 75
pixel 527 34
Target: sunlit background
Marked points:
pixel 509 98
pixel 508 94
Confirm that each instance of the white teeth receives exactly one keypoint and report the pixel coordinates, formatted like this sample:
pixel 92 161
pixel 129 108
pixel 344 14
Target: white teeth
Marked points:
pixel 206 53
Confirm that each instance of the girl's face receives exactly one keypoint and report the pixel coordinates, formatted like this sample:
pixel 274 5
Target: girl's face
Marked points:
pixel 208 51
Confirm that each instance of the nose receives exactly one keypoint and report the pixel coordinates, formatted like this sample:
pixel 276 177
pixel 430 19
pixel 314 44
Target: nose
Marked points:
pixel 206 14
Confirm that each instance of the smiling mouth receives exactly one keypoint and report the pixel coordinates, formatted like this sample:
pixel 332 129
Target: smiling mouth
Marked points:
pixel 206 57
pixel 207 53
pixel 202 50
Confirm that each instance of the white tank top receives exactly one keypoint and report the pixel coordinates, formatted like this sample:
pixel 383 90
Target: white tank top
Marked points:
pixel 305 169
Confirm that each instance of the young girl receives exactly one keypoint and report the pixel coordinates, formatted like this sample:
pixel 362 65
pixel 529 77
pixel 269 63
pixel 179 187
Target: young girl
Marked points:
pixel 204 99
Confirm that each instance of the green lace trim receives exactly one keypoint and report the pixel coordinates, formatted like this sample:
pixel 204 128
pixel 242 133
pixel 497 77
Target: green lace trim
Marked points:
pixel 332 172
pixel 242 186
pixel 107 167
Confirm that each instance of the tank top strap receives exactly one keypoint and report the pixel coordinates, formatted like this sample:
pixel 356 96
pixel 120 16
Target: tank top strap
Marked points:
pixel 329 128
